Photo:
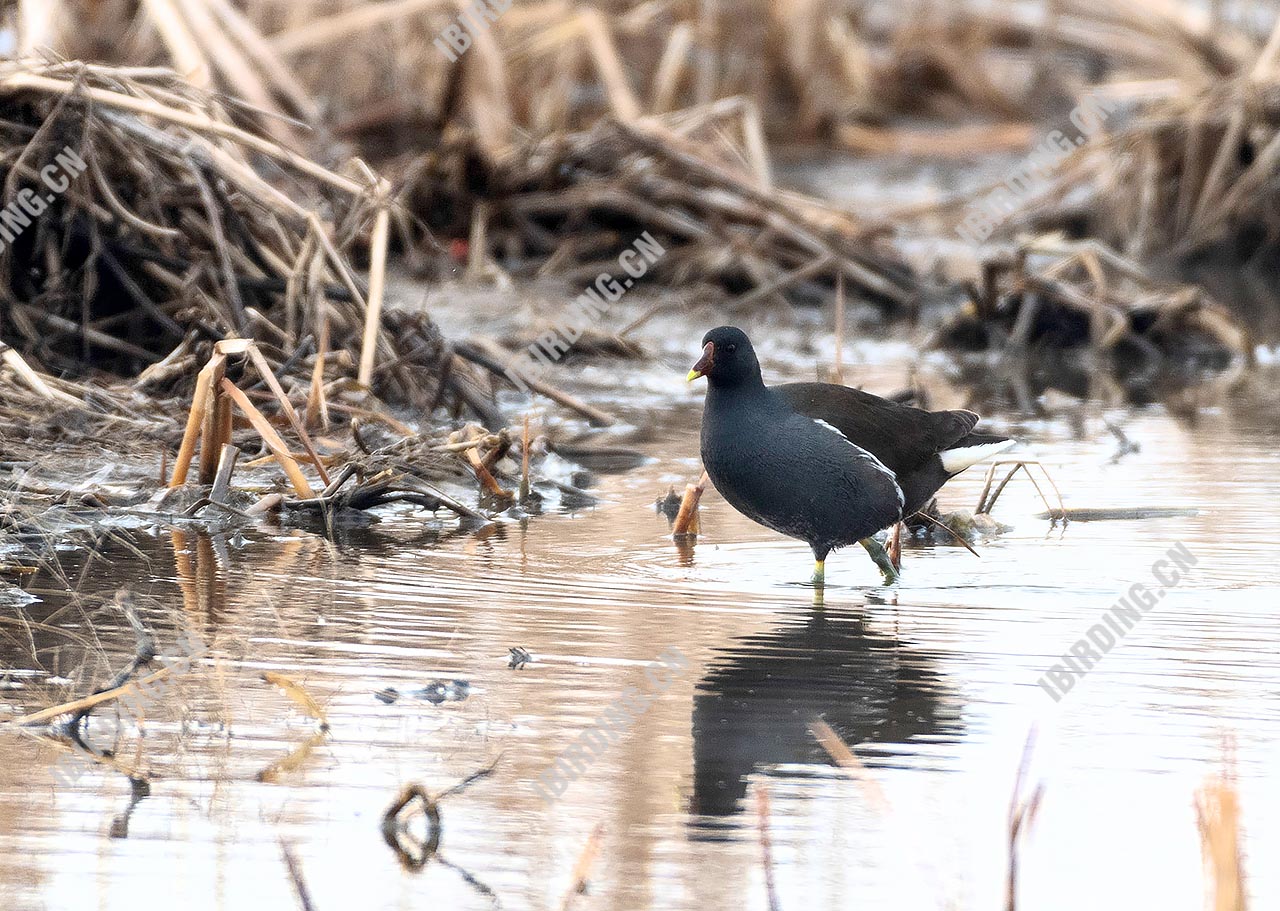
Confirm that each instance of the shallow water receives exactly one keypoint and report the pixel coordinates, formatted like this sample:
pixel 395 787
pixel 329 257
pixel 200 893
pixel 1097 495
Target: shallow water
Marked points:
pixel 933 684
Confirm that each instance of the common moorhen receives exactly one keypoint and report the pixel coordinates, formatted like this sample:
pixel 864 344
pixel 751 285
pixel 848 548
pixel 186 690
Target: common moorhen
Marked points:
pixel 823 463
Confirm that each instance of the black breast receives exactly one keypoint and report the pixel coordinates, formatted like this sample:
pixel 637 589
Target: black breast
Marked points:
pixel 793 474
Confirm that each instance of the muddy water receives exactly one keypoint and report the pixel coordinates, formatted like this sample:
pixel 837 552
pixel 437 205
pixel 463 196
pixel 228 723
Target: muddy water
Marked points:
pixel 933 683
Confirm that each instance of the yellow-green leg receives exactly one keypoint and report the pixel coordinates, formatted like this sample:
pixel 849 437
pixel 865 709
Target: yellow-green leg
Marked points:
pixel 881 559
pixel 819 572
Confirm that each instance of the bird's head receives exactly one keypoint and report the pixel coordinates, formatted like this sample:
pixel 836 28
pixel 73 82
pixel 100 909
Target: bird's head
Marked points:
pixel 727 358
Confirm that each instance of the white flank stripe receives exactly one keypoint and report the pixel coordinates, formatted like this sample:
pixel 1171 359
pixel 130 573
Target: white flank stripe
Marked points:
pixel 863 454
pixel 957 460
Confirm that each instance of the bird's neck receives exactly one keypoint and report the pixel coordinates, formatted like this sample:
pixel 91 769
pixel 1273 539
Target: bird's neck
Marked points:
pixel 750 390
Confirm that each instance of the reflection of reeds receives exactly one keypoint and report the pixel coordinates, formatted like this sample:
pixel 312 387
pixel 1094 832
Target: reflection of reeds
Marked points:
pixel 295 876
pixel 848 760
pixel 1218 815
pixel 1022 815
pixel 298 694
pixel 582 868
pixel 412 851
pixel 766 844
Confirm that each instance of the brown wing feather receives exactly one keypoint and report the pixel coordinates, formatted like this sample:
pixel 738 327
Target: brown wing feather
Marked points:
pixel 899 435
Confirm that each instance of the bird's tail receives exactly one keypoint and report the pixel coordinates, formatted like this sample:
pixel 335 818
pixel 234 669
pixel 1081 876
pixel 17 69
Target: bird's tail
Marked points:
pixel 972 449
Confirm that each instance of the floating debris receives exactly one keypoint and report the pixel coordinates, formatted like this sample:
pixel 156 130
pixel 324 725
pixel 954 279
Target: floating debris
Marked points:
pixel 519 657
pixel 959 526
pixel 669 505
pixel 1120 514
pixel 437 692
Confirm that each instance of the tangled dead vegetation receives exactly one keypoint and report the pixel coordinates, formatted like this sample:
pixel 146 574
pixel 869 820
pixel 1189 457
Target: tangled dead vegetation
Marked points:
pixel 697 184
pixel 1057 295
pixel 169 240
pixel 160 292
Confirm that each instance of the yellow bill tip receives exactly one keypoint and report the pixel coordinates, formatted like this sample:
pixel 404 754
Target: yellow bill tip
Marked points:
pixel 693 375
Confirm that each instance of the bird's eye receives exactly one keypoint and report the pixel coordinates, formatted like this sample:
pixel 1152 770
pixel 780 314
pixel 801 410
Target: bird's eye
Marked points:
pixel 730 348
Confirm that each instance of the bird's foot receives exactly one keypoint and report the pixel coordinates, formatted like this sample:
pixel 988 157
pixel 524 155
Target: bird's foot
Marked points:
pixel 881 559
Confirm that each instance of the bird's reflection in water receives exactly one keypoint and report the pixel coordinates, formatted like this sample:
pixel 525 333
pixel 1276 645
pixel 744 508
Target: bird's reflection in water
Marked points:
pixel 754 706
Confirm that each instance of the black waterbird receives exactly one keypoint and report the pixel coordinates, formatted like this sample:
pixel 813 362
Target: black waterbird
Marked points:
pixel 827 464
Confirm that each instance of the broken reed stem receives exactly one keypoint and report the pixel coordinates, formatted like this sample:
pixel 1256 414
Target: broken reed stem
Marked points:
pixel 209 420
pixel 839 365
pixel 88 702
pixel 524 461
pixel 15 362
pixel 666 80
pixel 377 287
pixel 398 426
pixel 983 506
pixel 949 530
pixel 269 436
pixel 1062 508
pixel 1058 513
pixel 317 403
pixel 766 844
pixel 893 546
pixel 226 466
pixel 195 419
pixel 604 54
pixel 314 33
pixel 184 50
pixel 477 242
pixel 499 361
pixel 484 476
pixel 287 407
pixel 686 523
pixel 239 75
pixel 262 53
pixel 216 428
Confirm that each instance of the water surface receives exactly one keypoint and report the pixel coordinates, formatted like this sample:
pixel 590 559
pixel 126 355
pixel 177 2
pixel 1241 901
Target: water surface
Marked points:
pixel 933 684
